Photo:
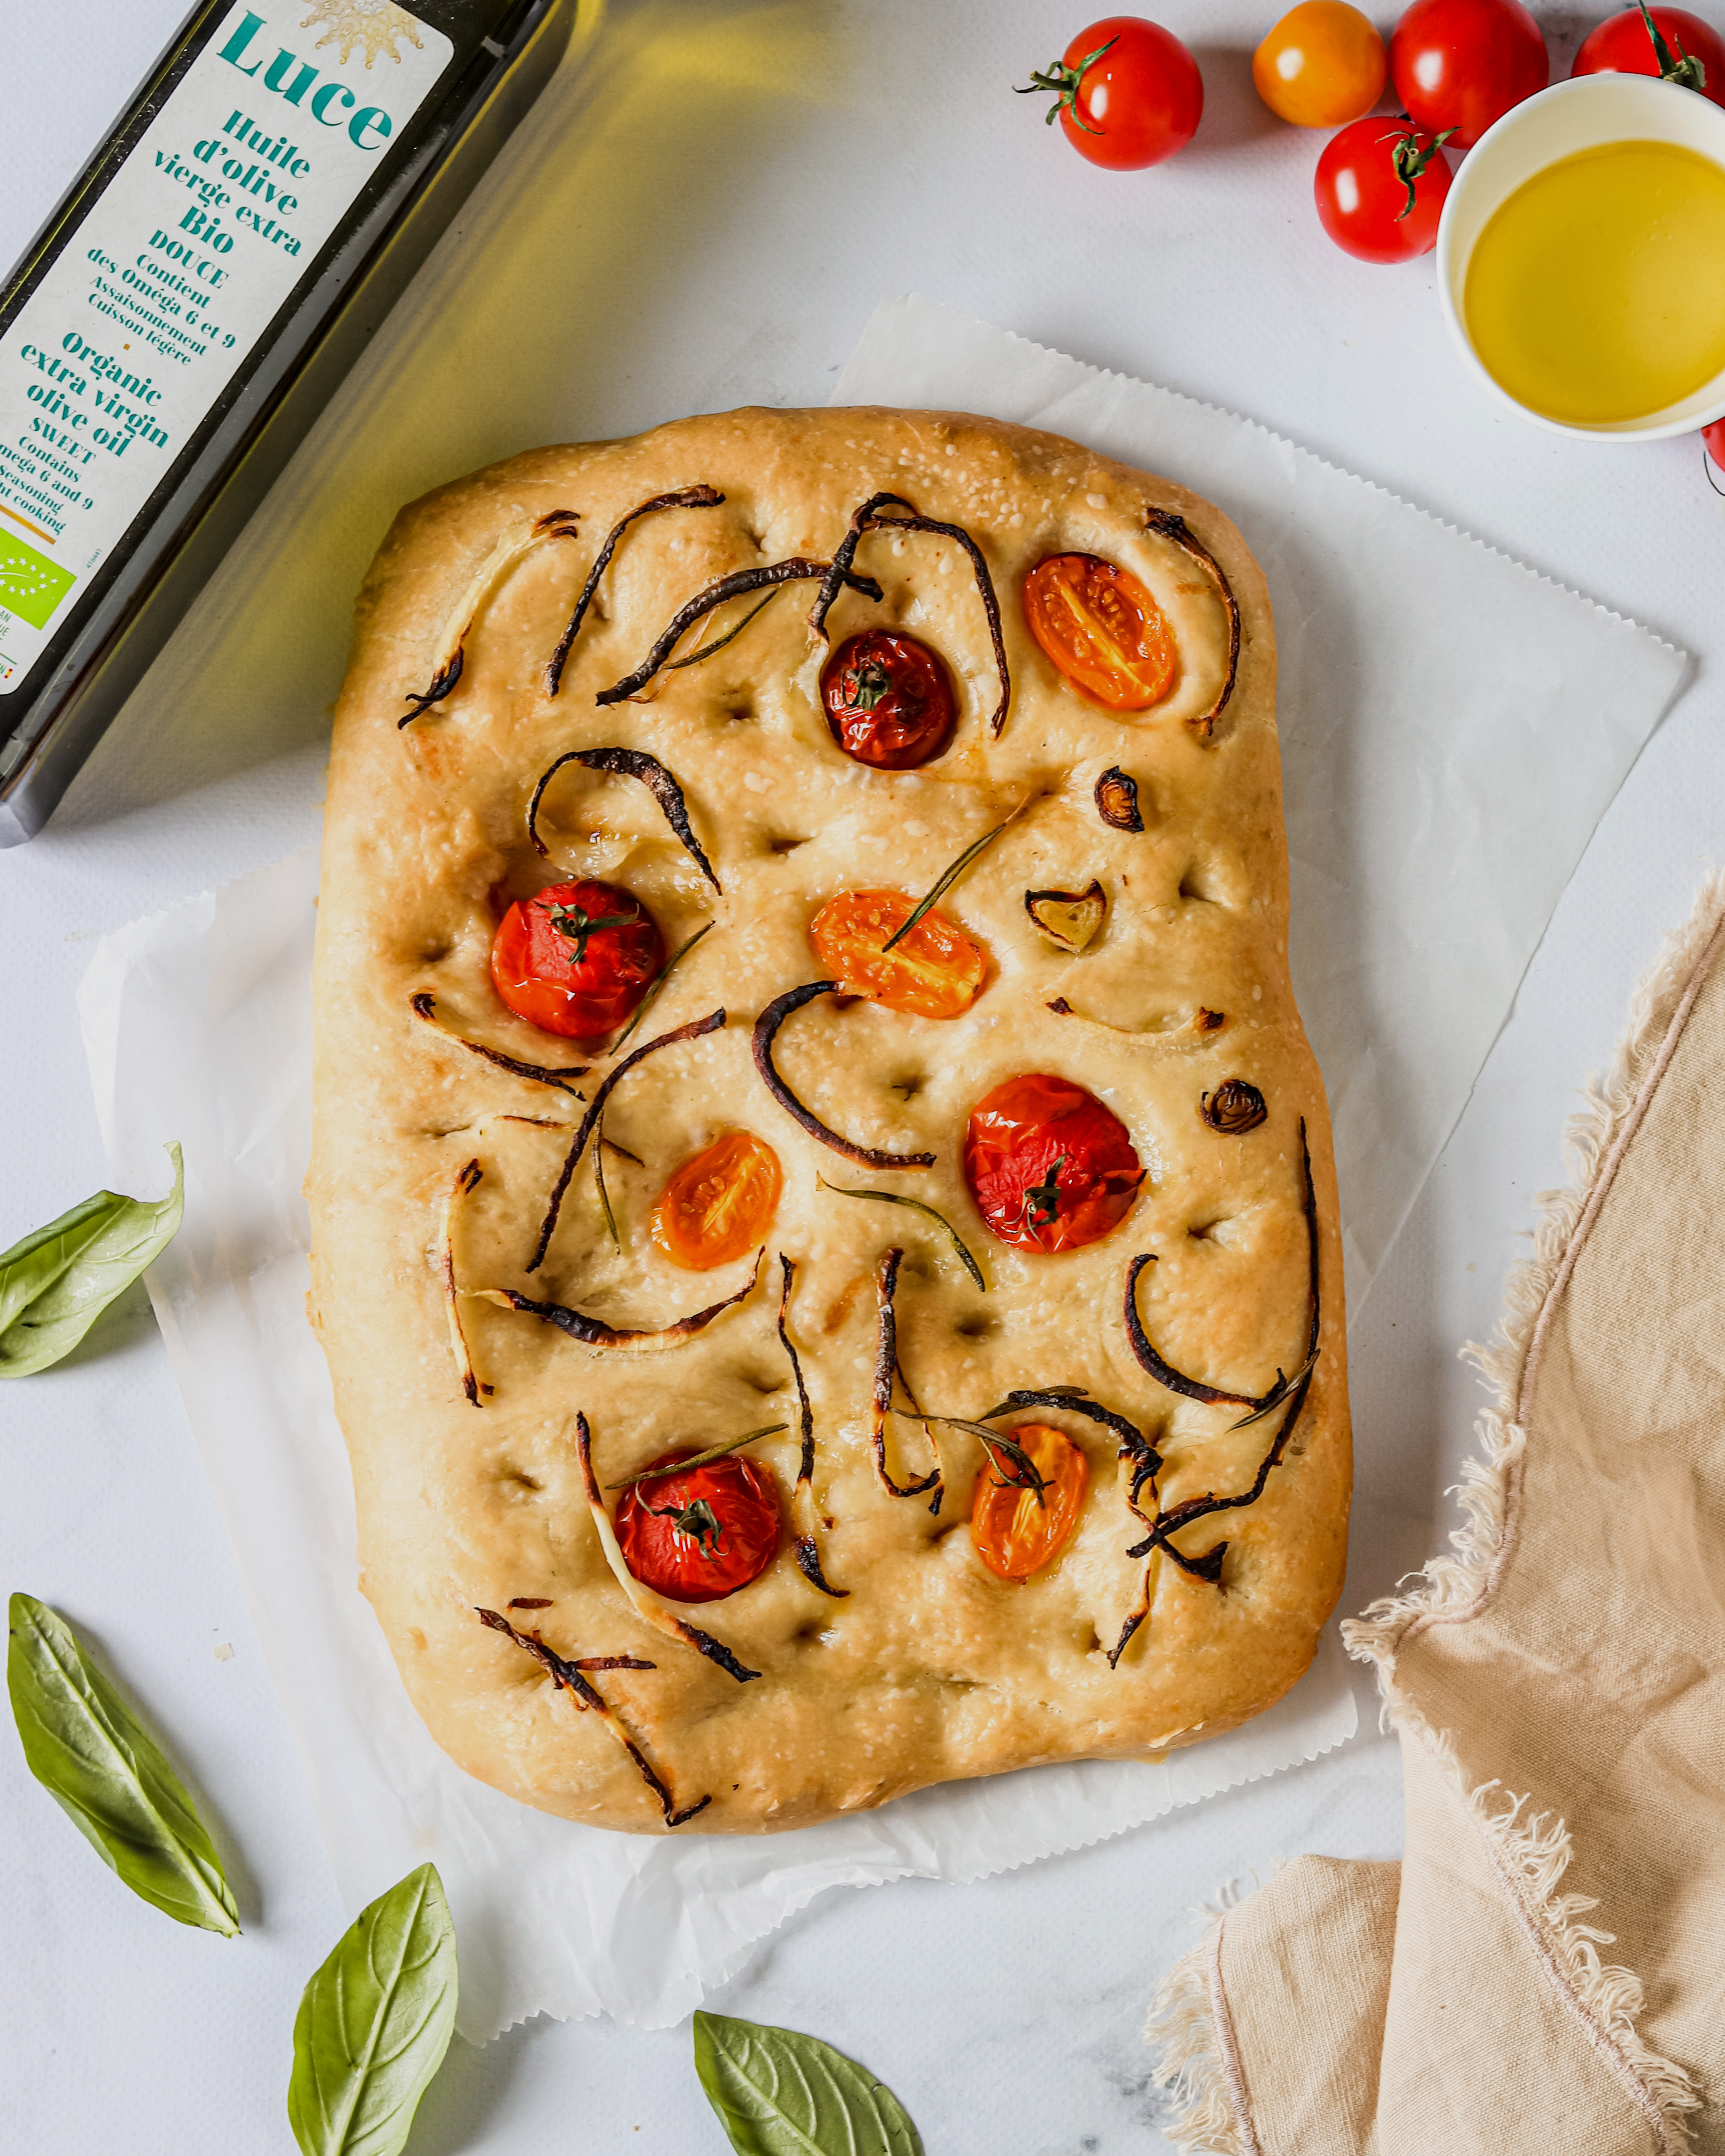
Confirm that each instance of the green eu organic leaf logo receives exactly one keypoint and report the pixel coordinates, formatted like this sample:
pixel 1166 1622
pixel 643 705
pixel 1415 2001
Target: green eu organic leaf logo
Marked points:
pixel 30 586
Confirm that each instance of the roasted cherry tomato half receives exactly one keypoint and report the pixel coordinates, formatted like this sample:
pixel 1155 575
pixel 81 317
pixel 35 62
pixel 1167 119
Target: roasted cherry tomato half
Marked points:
pixel 1620 45
pixel 1050 1169
pixel 719 1204
pixel 935 972
pixel 889 701
pixel 699 1536
pixel 1102 629
pixel 1461 64
pixel 576 958
pixel 1017 1531
pixel 1380 188
pixel 1127 92
pixel 1322 65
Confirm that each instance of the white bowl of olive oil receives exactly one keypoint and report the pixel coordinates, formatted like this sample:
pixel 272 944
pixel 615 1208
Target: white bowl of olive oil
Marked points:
pixel 1581 259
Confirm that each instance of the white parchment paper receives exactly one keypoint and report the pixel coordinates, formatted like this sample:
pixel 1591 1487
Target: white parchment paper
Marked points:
pixel 1453 728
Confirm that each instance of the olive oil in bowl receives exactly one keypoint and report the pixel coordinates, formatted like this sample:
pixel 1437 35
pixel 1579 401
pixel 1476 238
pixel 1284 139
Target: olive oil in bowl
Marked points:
pixel 1595 292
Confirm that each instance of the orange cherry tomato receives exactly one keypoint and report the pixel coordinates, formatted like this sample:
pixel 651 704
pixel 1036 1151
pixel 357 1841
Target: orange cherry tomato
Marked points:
pixel 699 1536
pixel 1050 1169
pixel 1322 65
pixel 1016 1531
pixel 719 1204
pixel 576 958
pixel 1102 629
pixel 935 972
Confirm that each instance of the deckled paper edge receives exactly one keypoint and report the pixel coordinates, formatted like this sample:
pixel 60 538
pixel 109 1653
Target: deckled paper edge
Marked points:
pixel 1678 651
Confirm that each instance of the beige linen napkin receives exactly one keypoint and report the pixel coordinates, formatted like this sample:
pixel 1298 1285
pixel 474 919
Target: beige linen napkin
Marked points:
pixel 1558 1688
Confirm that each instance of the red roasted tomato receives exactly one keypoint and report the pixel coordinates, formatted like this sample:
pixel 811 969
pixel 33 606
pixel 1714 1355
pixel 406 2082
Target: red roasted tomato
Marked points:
pixel 1462 63
pixel 1380 188
pixel 1620 45
pixel 889 702
pixel 699 1536
pixel 576 958
pixel 1127 91
pixel 1050 1169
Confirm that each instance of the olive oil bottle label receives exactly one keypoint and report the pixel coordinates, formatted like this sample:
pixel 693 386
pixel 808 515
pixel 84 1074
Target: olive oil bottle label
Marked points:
pixel 137 329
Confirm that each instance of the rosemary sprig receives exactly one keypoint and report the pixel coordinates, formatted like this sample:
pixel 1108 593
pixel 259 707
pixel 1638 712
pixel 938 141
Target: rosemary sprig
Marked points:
pixel 949 876
pixel 1277 1394
pixel 940 1219
pixel 1028 1476
pixel 719 642
pixel 599 1177
pixel 657 982
pixel 700 1459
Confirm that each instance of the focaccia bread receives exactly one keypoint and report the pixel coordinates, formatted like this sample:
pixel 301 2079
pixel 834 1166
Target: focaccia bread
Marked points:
pixel 492 1269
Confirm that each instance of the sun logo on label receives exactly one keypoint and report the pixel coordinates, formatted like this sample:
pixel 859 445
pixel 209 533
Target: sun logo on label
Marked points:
pixel 375 24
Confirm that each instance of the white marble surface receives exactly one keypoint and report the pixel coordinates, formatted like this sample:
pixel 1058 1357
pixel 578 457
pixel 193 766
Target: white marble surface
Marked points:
pixel 703 211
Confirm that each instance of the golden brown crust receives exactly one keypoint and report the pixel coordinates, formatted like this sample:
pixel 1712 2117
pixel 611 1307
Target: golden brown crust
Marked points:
pixel 931 1668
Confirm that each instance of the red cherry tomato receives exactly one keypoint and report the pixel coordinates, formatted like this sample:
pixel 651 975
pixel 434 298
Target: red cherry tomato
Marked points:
pixel 699 1536
pixel 576 958
pixel 1620 45
pixel 1050 1169
pixel 1380 188
pixel 1127 92
pixel 1462 63
pixel 889 702
pixel 1714 438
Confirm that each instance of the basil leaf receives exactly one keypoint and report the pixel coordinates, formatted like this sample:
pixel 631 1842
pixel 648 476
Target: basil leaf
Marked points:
pixel 374 2024
pixel 780 2093
pixel 55 1284
pixel 89 1751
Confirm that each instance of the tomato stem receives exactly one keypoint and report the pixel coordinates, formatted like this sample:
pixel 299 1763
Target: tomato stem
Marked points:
pixel 576 925
pixel 1410 161
pixel 1683 69
pixel 1065 83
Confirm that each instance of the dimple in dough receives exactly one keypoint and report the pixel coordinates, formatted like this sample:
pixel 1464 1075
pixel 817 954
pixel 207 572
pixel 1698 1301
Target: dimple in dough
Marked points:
pixel 431 1165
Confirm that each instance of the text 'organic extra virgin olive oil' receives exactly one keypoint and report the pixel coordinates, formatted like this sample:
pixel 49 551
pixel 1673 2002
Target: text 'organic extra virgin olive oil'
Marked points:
pixel 188 308
pixel 1596 294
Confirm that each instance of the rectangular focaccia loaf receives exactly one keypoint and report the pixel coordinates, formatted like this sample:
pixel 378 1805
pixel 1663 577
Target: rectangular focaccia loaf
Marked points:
pixel 510 1339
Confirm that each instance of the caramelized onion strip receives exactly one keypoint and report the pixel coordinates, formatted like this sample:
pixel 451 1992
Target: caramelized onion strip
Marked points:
pixel 1166 526
pixel 1289 1392
pixel 423 1006
pixel 451 644
pixel 627 763
pixel 585 1130
pixel 467 1178
pixel 572 1678
pixel 868 517
pixel 688 497
pixel 646 1604
pixel 795 571
pixel 767 1028
pixel 594 1332
pixel 887 1374
pixel 808 1547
